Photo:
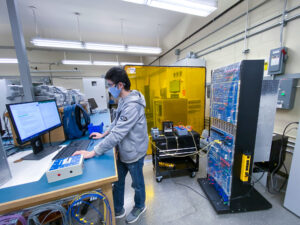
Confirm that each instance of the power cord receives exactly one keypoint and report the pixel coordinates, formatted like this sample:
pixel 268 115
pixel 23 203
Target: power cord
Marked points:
pixel 33 217
pixel 12 219
pixel 73 211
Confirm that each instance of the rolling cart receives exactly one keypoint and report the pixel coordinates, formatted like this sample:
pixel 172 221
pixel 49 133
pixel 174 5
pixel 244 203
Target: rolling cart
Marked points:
pixel 174 153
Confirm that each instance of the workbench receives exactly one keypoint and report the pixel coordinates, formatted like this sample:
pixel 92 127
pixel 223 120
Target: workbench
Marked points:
pixel 99 172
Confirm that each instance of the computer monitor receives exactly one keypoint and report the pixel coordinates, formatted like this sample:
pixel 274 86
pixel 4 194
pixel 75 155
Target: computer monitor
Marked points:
pixel 92 103
pixel 33 119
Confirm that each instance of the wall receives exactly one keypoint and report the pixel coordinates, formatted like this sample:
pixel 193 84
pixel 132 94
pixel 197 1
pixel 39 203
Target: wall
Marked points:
pixel 259 45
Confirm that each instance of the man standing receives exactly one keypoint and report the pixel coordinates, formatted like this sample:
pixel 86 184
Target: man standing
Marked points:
pixel 128 133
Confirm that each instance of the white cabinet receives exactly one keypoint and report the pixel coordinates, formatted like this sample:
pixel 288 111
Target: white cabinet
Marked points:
pixel 95 88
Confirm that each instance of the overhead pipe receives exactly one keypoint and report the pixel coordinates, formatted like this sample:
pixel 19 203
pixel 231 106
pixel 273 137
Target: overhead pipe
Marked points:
pixel 225 25
pixel 248 36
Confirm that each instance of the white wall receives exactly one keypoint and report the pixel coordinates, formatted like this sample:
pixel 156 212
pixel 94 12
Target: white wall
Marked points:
pixel 259 45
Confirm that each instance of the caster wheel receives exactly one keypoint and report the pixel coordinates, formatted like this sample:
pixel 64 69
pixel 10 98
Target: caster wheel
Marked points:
pixel 193 174
pixel 158 179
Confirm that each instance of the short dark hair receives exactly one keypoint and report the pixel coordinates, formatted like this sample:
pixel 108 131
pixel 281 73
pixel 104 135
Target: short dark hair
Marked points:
pixel 116 75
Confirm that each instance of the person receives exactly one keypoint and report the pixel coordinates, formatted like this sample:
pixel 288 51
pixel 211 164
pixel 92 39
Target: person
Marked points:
pixel 128 133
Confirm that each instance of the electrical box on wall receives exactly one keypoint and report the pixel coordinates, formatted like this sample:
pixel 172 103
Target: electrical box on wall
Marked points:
pixel 286 93
pixel 277 60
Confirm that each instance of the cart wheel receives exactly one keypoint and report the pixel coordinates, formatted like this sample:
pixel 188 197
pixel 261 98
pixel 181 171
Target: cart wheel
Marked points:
pixel 193 174
pixel 158 179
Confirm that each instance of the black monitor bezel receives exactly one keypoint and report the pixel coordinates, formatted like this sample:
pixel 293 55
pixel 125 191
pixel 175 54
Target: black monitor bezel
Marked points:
pixel 18 138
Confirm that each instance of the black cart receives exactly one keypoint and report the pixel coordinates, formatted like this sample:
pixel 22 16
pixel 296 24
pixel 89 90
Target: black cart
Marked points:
pixel 172 153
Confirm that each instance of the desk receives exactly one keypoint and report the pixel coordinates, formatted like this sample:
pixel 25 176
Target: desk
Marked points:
pixel 99 172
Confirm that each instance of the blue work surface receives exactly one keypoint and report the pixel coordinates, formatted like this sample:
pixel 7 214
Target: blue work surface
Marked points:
pixel 97 168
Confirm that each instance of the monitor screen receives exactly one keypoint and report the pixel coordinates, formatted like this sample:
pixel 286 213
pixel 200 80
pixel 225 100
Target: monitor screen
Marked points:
pixel 32 119
pixel 92 102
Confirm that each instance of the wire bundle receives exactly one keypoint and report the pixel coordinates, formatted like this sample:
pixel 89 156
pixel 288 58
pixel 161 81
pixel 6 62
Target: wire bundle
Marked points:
pixel 73 211
pixel 10 219
pixel 198 151
pixel 33 217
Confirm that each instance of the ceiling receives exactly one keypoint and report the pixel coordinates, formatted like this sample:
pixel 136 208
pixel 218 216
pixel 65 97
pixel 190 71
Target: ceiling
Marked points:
pixel 100 21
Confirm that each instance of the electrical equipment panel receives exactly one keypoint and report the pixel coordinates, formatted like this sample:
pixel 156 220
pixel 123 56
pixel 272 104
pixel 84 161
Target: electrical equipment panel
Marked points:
pixel 61 169
pixel 277 60
pixel 234 107
pixel 286 93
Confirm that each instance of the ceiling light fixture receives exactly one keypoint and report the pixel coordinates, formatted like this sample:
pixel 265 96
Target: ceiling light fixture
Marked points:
pixel 194 7
pixel 105 63
pixel 76 62
pixel 137 1
pixel 8 60
pixel 105 47
pixel 131 63
pixel 42 42
pixel 99 63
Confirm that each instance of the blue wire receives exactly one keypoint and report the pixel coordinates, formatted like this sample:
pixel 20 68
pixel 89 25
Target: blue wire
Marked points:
pixel 101 196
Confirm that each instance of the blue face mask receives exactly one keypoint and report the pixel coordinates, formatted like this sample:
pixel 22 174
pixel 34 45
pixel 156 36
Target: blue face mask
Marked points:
pixel 115 92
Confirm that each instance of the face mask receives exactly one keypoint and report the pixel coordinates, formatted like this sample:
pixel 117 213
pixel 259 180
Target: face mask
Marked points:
pixel 115 92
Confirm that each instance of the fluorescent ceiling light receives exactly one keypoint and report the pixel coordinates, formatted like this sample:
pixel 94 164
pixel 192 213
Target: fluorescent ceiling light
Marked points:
pixel 145 50
pixel 105 63
pixel 194 7
pixel 76 62
pixel 131 63
pixel 57 43
pixel 136 1
pixel 8 60
pixel 105 47
pixel 102 47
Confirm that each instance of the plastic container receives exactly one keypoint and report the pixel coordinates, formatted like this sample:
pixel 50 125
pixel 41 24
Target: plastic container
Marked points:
pixel 97 128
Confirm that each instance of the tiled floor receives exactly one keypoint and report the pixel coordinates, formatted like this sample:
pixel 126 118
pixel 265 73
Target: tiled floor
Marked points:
pixel 169 203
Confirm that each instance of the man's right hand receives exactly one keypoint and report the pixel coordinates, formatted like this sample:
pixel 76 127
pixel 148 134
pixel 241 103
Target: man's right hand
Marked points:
pixel 96 135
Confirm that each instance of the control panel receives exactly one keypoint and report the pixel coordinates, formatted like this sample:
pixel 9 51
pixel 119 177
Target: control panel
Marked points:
pixel 277 60
pixel 61 169
pixel 224 110
pixel 286 93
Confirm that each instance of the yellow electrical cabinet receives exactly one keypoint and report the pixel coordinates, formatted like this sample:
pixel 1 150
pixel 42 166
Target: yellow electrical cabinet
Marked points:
pixel 172 93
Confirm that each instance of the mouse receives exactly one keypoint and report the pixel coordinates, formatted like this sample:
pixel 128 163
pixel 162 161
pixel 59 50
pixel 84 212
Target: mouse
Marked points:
pixel 92 136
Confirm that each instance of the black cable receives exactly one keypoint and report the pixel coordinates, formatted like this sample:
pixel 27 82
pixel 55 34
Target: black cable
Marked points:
pixel 280 158
pixel 251 189
pixel 286 178
pixel 50 143
pixel 192 190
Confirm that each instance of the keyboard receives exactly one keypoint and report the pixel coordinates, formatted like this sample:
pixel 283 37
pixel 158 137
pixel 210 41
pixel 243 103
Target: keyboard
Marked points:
pixel 71 148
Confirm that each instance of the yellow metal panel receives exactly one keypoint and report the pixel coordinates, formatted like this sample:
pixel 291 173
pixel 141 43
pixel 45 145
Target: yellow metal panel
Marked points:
pixel 245 168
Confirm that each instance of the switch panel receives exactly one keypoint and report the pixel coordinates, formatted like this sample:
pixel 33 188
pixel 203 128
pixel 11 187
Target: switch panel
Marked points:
pixel 286 93
pixel 277 61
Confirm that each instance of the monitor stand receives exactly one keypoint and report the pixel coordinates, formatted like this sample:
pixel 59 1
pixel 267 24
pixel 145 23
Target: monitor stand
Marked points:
pixel 39 150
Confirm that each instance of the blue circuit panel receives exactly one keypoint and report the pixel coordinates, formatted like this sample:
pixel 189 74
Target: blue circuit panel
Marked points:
pixel 66 162
pixel 224 99
pixel 224 107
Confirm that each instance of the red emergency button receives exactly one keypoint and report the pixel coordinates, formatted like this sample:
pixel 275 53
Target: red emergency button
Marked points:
pixel 58 174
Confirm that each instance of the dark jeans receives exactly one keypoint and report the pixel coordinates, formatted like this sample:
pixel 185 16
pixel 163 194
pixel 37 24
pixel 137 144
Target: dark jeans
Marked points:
pixel 136 171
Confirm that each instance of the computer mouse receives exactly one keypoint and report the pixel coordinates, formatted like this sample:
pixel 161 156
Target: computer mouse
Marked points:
pixel 92 136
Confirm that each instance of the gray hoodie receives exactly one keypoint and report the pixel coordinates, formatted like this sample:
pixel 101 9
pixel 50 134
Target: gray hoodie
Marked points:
pixel 128 130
